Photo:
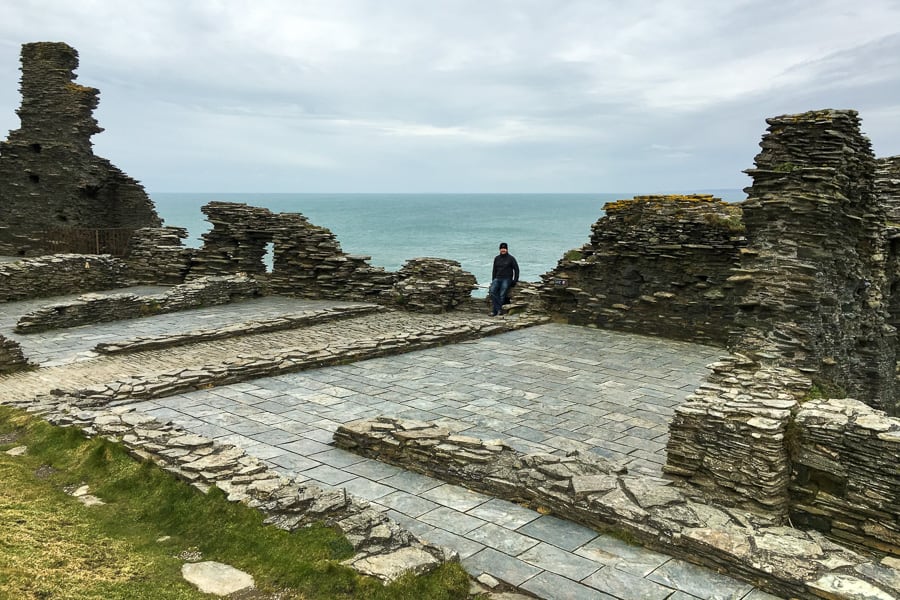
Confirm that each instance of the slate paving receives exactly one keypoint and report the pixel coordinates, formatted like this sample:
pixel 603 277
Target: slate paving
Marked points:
pixel 551 388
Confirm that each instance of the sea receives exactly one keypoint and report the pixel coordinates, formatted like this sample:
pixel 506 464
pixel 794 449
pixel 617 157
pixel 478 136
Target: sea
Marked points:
pixel 393 228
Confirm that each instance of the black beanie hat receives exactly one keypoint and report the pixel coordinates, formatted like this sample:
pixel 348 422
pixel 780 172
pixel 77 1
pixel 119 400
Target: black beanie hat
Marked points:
pixel 503 245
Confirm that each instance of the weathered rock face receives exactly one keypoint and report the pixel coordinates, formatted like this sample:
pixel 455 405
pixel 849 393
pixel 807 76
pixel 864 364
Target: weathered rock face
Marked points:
pixel 656 265
pixel 60 274
pixel 817 290
pixel 11 356
pixel 49 176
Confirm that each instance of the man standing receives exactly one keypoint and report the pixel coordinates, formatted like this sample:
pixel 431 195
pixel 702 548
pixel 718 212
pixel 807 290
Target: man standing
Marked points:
pixel 504 276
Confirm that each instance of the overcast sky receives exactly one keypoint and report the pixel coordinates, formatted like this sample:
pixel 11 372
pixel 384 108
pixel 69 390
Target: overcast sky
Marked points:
pixel 459 95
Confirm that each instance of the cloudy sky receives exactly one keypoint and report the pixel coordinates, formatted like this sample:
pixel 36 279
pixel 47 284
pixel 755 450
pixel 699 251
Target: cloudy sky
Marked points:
pixel 459 95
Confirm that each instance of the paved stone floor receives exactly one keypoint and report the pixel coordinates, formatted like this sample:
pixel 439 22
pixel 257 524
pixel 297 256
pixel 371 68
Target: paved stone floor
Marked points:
pixel 552 388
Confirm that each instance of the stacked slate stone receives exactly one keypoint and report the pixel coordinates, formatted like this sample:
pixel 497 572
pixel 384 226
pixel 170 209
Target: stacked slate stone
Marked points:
pixel 309 263
pixel 589 490
pixel 237 241
pixel 307 260
pixel 845 477
pixel 51 178
pixel 816 286
pixel 103 308
pixel 156 255
pixel 432 285
pixel 11 356
pixel 60 274
pixel 887 187
pixel 728 437
pixel 657 265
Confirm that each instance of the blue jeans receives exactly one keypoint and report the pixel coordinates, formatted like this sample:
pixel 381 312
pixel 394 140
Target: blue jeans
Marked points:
pixel 498 291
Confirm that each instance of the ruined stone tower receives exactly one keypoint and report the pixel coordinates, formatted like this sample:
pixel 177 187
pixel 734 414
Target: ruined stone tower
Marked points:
pixel 49 176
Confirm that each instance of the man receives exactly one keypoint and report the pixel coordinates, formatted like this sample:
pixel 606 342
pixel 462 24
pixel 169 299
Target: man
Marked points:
pixel 504 276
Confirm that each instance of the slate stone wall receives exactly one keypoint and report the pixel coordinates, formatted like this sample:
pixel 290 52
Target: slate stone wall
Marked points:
pixel 817 294
pixel 157 255
pixel 845 477
pixel 60 274
pixel 49 176
pixel 658 265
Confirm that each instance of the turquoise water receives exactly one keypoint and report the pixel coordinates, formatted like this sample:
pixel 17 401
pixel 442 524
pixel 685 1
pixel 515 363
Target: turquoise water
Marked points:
pixel 392 228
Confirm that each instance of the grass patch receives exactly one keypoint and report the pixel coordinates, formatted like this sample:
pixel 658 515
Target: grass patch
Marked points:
pixel 133 547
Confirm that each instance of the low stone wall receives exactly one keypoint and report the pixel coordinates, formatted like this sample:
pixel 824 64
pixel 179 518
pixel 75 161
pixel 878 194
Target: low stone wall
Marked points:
pixel 383 549
pixel 658 265
pixel 280 323
pixel 728 437
pixel 101 308
pixel 432 285
pixel 590 490
pixel 60 274
pixel 157 255
pixel 11 357
pixel 279 361
pixel 846 477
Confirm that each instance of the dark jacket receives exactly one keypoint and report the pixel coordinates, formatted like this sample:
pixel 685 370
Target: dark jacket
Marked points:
pixel 505 267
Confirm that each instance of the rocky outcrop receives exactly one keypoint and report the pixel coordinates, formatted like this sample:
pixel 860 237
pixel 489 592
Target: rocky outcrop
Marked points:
pixel 49 174
pixel 102 308
pixel 60 274
pixel 591 491
pixel 657 265
pixel 432 285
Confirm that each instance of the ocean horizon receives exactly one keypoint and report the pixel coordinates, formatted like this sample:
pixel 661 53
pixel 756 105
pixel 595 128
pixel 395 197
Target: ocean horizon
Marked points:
pixel 393 228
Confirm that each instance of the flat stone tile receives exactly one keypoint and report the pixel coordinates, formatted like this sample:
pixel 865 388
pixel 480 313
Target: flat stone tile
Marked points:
pixel 463 546
pixel 502 566
pixel 265 451
pixel 414 526
pixel 702 583
pixel 412 482
pixel 504 513
pixel 553 559
pixel 551 586
pixel 275 437
pixel 329 475
pixel 320 434
pixel 630 558
pixel 626 586
pixel 758 594
pixel 455 497
pixel 502 539
pixel 366 488
pixel 338 457
pixel 562 534
pixel 406 503
pixel 451 520
pixel 306 447
pixel 289 460
pixel 372 469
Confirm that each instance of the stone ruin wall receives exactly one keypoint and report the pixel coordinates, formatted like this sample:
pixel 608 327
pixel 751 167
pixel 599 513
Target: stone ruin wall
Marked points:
pixel 818 290
pixel 658 265
pixel 61 274
pixel 307 261
pixel 49 176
